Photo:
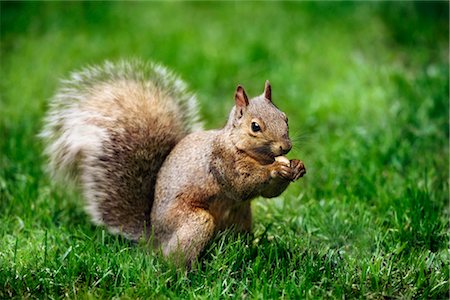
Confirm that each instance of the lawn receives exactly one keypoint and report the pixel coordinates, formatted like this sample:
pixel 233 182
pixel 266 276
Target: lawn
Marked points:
pixel 366 90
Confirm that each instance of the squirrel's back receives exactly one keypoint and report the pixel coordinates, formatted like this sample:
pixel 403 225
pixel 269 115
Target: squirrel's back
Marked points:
pixel 109 129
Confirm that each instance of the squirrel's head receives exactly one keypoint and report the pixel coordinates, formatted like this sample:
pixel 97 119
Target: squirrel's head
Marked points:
pixel 258 127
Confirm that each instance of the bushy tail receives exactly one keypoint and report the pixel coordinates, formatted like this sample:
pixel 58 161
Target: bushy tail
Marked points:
pixel 109 129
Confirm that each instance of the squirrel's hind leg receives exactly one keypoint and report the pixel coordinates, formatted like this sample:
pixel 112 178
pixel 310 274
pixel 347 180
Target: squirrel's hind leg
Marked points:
pixel 193 230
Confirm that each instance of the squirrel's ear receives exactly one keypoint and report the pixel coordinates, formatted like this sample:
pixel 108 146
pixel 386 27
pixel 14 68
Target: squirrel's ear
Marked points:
pixel 268 91
pixel 241 97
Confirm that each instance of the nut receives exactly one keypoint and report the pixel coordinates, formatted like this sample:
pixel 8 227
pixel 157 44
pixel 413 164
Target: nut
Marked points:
pixel 283 160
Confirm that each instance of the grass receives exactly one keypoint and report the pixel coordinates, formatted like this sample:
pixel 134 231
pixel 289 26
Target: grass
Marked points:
pixel 365 86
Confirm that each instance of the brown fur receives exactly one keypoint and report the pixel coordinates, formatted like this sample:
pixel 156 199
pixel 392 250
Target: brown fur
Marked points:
pixel 143 128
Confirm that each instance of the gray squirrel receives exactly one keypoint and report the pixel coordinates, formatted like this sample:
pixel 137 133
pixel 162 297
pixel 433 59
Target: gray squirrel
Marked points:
pixel 128 135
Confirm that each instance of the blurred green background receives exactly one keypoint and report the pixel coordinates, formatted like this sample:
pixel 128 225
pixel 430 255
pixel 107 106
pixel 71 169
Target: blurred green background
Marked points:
pixel 366 89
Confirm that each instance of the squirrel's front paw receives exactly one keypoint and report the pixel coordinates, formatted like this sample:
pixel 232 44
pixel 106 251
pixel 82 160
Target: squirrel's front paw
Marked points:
pixel 281 170
pixel 292 171
pixel 298 169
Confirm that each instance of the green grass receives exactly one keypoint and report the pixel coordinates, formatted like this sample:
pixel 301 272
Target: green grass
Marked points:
pixel 365 86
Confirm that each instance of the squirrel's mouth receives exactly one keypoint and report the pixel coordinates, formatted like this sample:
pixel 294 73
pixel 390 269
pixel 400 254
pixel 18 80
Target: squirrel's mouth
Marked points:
pixel 262 155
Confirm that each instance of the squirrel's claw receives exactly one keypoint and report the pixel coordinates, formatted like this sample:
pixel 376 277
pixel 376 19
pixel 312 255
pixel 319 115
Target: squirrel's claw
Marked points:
pixel 298 169
pixel 290 172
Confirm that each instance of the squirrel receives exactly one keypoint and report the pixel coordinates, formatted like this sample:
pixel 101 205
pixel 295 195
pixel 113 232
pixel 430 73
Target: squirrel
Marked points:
pixel 129 136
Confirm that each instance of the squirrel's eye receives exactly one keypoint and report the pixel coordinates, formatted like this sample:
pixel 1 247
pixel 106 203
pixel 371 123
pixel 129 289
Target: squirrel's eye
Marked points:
pixel 255 127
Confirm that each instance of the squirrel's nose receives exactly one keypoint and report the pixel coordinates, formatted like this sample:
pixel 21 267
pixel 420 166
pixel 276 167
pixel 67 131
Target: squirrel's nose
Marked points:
pixel 285 147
